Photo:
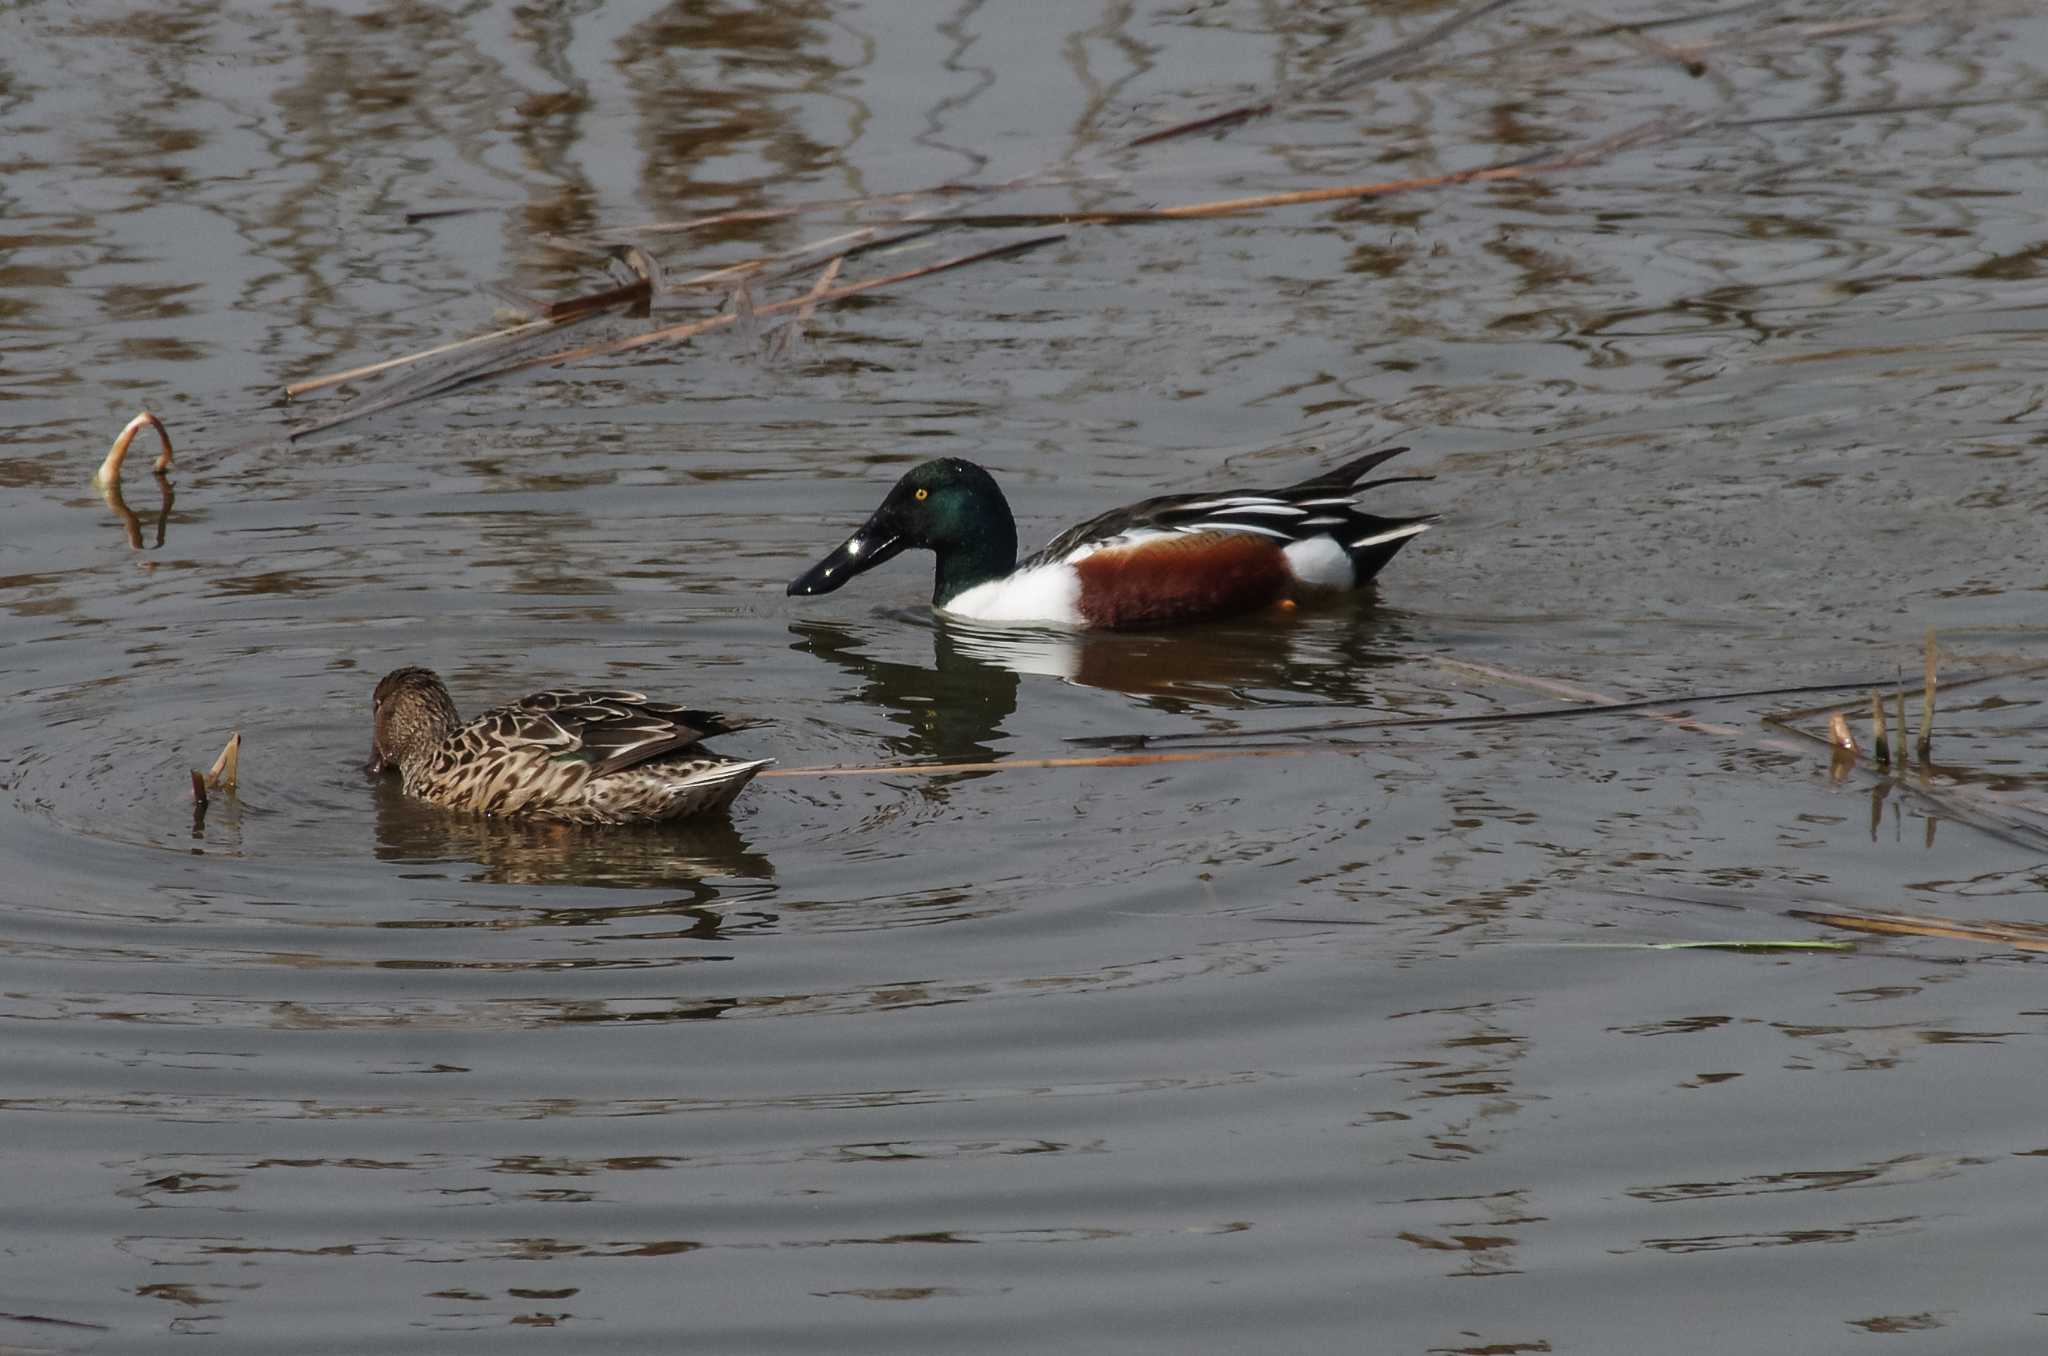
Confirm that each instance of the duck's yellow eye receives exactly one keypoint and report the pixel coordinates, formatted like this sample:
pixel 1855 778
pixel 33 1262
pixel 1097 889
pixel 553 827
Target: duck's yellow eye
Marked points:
pixel 922 493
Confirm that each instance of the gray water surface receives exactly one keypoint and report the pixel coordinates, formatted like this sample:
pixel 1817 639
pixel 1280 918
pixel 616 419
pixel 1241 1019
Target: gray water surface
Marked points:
pixel 1351 1050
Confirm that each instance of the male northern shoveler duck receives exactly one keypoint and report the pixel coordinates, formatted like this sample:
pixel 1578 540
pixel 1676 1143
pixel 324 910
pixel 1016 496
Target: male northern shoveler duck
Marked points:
pixel 584 757
pixel 1176 558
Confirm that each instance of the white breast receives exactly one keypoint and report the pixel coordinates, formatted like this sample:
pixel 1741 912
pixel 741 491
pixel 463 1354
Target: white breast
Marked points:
pixel 1049 593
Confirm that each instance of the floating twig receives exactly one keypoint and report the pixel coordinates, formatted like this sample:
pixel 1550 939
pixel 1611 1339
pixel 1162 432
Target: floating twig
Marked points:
pixel 110 469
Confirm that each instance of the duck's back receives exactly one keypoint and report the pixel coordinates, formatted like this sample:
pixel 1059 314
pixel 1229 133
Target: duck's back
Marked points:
pixel 594 757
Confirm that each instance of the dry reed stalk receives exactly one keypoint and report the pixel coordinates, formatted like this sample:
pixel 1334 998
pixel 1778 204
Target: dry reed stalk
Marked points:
pixel 110 469
pixel 1011 764
pixel 808 255
pixel 1782 34
pixel 1927 700
pixel 1881 747
pixel 299 388
pixel 785 339
pixel 1785 718
pixel 1346 77
pixel 666 334
pixel 619 236
pixel 1608 709
pixel 2022 936
pixel 1572 692
pixel 1685 58
pixel 1583 36
pixel 1839 735
pixel 1657 129
pixel 625 294
pixel 690 329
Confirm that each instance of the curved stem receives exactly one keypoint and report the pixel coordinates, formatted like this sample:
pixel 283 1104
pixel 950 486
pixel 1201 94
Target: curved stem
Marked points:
pixel 110 469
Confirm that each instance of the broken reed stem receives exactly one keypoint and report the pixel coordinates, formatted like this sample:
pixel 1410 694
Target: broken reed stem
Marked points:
pixel 1839 735
pixel 110 469
pixel 1881 746
pixel 1902 730
pixel 1927 700
pixel 228 765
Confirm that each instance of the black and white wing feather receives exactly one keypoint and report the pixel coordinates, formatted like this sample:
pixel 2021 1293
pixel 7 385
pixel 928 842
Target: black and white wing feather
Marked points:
pixel 1324 505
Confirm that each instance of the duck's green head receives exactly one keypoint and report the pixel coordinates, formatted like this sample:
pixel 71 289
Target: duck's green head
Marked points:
pixel 948 506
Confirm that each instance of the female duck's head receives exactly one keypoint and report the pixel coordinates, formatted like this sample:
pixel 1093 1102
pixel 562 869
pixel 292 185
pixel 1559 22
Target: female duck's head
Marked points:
pixel 949 507
pixel 413 714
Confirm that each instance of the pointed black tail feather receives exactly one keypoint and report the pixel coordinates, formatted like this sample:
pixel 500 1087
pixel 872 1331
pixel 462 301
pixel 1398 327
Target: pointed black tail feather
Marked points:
pixel 1345 477
pixel 1374 540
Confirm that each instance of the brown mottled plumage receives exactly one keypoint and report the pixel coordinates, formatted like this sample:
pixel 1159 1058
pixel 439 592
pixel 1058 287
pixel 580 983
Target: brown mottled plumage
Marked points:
pixel 598 757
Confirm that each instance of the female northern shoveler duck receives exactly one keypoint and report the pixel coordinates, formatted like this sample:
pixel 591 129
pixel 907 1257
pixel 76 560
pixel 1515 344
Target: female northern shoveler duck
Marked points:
pixel 583 757
pixel 1177 558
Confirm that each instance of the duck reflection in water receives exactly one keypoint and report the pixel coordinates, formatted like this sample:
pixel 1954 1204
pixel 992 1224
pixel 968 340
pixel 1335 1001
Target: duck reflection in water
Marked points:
pixel 684 855
pixel 955 710
pixel 951 711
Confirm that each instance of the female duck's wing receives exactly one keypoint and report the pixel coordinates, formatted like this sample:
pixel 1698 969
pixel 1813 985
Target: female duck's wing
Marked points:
pixel 607 730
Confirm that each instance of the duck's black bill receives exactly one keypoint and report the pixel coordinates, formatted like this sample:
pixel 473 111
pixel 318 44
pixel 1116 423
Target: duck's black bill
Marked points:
pixel 862 551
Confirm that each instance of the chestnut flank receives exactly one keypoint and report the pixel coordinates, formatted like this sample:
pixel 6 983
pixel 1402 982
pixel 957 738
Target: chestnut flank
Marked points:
pixel 1181 578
